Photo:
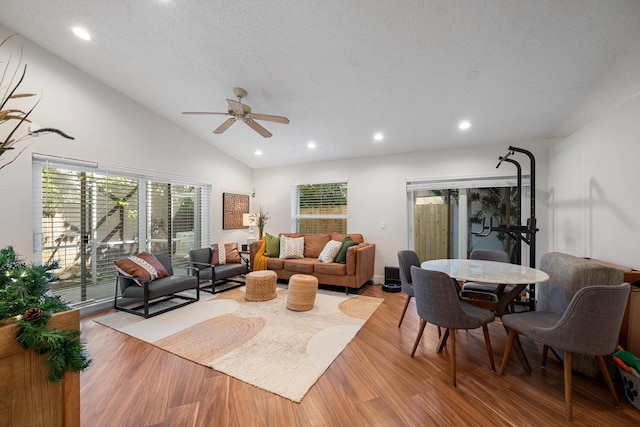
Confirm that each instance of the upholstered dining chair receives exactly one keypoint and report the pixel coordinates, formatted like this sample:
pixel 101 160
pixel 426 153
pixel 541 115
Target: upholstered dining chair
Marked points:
pixel 437 303
pixel 406 259
pixel 590 325
pixel 481 294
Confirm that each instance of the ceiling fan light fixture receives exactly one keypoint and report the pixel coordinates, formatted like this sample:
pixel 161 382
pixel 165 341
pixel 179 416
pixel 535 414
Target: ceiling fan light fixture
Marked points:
pixel 239 111
pixel 464 125
pixel 378 136
pixel 311 145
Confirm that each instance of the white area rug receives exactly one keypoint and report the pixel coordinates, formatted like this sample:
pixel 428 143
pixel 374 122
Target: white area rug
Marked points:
pixel 261 343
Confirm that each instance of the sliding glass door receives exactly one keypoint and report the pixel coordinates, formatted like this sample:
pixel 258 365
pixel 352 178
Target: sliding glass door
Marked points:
pixel 449 219
pixel 86 219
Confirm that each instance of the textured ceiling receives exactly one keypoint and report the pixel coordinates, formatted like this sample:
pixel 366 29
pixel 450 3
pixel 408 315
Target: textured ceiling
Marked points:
pixel 343 70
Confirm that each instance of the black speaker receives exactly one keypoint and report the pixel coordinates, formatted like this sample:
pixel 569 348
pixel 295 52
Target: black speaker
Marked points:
pixel 391 279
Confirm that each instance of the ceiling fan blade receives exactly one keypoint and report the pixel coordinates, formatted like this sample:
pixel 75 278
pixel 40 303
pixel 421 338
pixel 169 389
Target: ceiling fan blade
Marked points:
pixel 224 126
pixel 236 106
pixel 270 118
pixel 203 112
pixel 258 128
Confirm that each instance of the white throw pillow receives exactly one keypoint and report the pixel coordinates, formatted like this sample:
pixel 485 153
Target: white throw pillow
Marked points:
pixel 330 251
pixel 291 247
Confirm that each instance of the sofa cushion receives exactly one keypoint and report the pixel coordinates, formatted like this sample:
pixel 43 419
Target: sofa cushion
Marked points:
pixel 272 249
pixel 330 268
pixel 354 236
pixel 223 272
pixel 291 247
pixel 291 234
pixel 314 244
pixel 162 287
pixel 330 251
pixel 346 244
pixel 275 263
pixel 143 265
pixel 225 253
pixel 300 265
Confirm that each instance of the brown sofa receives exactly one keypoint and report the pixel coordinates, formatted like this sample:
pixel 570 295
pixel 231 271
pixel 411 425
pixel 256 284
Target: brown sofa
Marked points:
pixel 357 271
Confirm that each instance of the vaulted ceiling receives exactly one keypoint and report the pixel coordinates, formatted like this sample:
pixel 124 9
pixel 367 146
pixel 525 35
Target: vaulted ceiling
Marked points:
pixel 342 70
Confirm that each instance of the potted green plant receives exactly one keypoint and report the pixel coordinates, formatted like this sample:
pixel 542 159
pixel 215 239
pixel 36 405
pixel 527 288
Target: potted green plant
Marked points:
pixel 24 298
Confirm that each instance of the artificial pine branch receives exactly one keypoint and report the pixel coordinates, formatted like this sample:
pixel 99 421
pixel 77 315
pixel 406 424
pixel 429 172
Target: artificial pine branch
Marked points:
pixel 23 295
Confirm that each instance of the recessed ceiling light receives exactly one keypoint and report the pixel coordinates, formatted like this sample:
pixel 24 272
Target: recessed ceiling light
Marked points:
pixel 464 125
pixel 311 145
pixel 258 153
pixel 378 136
pixel 81 33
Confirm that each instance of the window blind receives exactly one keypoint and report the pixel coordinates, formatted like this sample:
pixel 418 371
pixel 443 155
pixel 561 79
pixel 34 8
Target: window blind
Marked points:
pixel 319 208
pixel 86 217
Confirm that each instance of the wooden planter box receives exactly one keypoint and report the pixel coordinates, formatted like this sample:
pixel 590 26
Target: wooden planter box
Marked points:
pixel 27 397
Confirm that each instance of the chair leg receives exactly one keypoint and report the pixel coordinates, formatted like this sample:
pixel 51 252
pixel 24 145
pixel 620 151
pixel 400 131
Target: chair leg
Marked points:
pixel 420 331
pixel 452 335
pixel 567 386
pixel 404 310
pixel 507 350
pixel 443 340
pixel 607 379
pixel 487 341
pixel 545 352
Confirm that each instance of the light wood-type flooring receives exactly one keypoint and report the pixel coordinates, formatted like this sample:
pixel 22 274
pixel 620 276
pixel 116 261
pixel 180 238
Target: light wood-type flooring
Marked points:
pixel 374 382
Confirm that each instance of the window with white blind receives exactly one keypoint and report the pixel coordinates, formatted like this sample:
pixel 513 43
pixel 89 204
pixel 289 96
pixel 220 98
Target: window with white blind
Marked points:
pixel 86 217
pixel 319 207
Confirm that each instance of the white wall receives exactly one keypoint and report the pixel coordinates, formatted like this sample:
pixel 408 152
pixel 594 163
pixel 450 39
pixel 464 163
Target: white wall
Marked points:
pixel 594 194
pixel 377 190
pixel 109 129
pixel 113 130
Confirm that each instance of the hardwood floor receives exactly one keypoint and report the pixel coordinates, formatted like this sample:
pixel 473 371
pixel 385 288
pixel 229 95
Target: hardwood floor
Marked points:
pixel 374 382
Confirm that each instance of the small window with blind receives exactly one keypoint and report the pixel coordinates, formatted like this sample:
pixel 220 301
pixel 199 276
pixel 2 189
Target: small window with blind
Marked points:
pixel 319 207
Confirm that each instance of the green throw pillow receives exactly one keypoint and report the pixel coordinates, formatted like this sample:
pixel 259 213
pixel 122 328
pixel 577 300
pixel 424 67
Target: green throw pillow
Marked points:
pixel 272 246
pixel 346 244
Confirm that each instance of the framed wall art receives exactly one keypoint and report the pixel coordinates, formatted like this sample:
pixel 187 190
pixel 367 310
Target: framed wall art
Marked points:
pixel 233 206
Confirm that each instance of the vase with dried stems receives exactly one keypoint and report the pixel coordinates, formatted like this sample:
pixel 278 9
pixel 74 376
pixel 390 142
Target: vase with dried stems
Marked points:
pixel 260 219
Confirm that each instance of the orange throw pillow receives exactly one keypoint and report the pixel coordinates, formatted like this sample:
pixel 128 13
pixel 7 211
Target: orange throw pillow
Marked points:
pixel 143 265
pixel 225 253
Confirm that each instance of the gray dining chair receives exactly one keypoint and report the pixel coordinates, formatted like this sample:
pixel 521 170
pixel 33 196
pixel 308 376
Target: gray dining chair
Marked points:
pixel 437 303
pixel 482 294
pixel 406 259
pixel 590 325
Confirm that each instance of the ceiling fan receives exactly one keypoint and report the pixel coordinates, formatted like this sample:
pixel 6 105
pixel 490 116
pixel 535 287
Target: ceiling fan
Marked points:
pixel 239 111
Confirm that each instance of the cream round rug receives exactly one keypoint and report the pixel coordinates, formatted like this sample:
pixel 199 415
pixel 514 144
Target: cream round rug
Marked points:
pixel 261 343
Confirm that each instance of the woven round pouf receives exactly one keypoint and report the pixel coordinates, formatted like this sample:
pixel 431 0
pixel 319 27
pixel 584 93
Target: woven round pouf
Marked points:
pixel 261 285
pixel 302 292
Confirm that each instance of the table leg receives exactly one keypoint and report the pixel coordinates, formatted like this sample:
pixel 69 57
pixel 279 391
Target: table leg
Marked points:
pixel 504 308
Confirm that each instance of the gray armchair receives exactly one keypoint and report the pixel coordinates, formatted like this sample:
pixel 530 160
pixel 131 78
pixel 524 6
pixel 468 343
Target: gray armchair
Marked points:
pixel 154 292
pixel 590 325
pixel 200 261
pixel 406 259
pixel 437 303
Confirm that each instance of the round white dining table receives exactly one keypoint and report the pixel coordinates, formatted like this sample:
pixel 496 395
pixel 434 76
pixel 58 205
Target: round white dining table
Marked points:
pixel 476 270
